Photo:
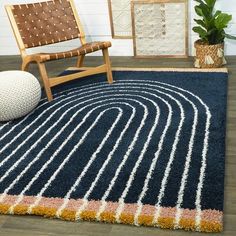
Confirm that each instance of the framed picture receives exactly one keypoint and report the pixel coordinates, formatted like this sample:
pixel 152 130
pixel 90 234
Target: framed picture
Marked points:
pixel 160 28
pixel 120 18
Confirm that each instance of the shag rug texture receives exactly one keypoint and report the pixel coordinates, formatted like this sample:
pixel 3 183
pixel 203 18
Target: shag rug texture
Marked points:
pixel 147 150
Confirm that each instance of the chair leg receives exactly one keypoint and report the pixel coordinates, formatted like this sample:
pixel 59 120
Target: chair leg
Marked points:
pixel 25 66
pixel 108 65
pixel 80 61
pixel 44 76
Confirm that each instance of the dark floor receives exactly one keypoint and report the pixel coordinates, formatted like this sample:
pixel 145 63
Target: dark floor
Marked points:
pixel 30 225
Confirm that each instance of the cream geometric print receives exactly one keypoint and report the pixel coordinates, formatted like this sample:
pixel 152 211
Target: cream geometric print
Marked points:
pixel 121 18
pixel 160 28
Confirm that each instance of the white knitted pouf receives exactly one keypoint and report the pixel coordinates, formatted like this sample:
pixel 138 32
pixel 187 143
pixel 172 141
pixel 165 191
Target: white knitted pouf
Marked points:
pixel 20 93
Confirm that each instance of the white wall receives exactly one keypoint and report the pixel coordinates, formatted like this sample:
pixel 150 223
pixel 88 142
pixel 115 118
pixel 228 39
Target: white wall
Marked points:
pixel 95 19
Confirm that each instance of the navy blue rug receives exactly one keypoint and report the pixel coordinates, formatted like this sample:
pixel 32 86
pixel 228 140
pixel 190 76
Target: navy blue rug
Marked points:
pixel 147 150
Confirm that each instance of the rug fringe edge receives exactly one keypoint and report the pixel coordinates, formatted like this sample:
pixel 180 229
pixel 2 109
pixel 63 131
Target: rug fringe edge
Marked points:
pixel 186 223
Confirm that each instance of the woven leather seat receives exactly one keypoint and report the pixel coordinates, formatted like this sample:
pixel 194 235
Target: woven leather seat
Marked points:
pixel 83 50
pixel 49 22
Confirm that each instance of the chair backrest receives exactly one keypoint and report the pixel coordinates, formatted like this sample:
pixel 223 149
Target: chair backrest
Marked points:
pixel 43 23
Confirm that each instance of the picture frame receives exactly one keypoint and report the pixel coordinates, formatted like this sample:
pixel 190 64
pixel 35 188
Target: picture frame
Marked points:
pixel 160 35
pixel 120 19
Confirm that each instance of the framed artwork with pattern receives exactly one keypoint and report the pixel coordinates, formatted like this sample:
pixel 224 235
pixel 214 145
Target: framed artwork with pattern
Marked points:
pixel 120 18
pixel 160 28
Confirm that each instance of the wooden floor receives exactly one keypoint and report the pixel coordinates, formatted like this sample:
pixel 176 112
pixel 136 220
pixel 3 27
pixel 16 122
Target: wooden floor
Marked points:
pixel 38 226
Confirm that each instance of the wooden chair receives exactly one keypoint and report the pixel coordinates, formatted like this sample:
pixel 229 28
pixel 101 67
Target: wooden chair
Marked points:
pixel 50 22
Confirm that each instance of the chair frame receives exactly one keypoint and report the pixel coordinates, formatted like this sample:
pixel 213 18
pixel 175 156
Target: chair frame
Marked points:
pixel 53 81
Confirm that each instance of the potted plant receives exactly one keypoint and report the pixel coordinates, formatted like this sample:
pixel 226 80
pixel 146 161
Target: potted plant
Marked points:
pixel 211 31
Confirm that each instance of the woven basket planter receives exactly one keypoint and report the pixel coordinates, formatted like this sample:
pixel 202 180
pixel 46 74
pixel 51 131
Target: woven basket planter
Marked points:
pixel 209 56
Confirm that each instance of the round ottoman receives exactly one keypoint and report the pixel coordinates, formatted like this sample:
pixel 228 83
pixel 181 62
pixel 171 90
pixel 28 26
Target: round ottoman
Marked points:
pixel 20 93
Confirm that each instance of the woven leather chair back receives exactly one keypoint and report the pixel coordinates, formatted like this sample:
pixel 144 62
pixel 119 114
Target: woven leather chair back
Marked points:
pixel 46 22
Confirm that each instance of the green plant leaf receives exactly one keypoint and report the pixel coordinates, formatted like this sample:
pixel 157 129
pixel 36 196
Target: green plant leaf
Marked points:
pixel 199 1
pixel 211 23
pixel 220 37
pixel 210 3
pixel 202 33
pixel 217 13
pixel 206 12
pixel 230 36
pixel 222 20
pixel 212 31
pixel 201 23
pixel 199 11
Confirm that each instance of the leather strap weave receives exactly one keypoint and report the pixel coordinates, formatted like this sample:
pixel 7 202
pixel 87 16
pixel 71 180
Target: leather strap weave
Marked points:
pixel 46 22
pixel 84 49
